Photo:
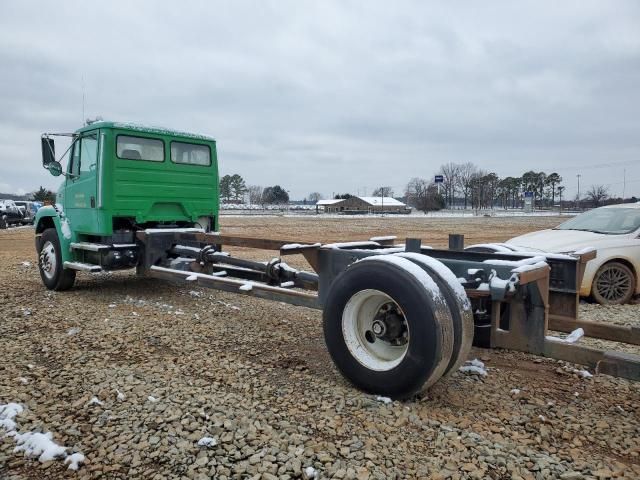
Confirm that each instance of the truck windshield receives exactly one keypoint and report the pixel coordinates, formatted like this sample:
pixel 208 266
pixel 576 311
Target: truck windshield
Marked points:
pixel 612 221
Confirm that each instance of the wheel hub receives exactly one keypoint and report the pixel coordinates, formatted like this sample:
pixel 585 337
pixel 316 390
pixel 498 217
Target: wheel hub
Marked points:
pixel 48 260
pixel 375 330
pixel 389 325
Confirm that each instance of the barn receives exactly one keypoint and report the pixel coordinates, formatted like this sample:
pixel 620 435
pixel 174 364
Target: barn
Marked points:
pixel 363 205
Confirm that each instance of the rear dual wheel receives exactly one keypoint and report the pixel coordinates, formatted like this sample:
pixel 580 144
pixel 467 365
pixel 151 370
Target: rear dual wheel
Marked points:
pixel 388 327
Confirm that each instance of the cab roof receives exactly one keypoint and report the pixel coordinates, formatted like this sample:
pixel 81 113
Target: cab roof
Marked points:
pixel 144 129
pixel 623 205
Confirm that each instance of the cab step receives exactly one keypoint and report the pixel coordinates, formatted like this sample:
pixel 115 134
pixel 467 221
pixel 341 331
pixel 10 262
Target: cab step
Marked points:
pixel 90 247
pixel 83 267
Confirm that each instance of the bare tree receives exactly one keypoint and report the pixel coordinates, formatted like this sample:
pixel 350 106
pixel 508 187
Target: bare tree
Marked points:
pixel 466 177
pixel 450 173
pixel 597 194
pixel 255 194
pixel 383 192
pixel 423 195
pixel 315 196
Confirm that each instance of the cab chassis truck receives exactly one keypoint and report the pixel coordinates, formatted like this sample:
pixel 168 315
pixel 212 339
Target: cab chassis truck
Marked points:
pixel 396 317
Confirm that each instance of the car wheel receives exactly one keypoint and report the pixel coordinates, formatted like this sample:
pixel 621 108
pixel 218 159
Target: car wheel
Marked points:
pixel 3 222
pixel 613 284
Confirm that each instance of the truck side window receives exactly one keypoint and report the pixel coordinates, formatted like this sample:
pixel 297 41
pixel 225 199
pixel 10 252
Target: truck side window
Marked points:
pixel 89 153
pixel 74 166
pixel 139 148
pixel 190 153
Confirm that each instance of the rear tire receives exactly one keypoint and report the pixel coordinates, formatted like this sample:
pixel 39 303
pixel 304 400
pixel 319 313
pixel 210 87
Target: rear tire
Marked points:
pixel 613 284
pixel 53 274
pixel 459 306
pixel 398 365
pixel 3 222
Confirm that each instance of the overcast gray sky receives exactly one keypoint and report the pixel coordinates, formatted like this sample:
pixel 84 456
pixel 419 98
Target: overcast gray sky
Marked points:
pixel 335 96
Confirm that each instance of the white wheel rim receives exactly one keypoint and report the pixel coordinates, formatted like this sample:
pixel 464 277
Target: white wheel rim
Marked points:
pixel 359 324
pixel 48 260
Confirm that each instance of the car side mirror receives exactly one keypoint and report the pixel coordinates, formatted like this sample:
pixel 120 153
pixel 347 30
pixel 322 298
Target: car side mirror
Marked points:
pixel 48 151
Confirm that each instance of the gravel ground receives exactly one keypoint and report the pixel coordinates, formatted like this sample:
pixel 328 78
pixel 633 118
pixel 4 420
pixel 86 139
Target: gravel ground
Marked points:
pixel 169 365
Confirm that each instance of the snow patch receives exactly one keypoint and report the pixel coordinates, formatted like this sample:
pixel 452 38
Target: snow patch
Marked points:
pixel 287 284
pixel 26 264
pixel 573 337
pixel 95 401
pixel 152 399
pixel 41 445
pixel 207 442
pixel 74 460
pixel 515 391
pixel 310 473
pixel 73 331
pixel 35 444
pixel 385 400
pixel 120 396
pixel 247 287
pixel 350 245
pixel 474 367
pixel 192 278
pixel 7 413
pixel 293 246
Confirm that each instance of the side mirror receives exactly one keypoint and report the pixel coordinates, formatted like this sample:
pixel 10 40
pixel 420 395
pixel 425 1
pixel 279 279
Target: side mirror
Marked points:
pixel 54 168
pixel 48 151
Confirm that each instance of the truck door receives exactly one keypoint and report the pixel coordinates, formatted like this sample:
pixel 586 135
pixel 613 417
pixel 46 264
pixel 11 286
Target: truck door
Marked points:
pixel 81 186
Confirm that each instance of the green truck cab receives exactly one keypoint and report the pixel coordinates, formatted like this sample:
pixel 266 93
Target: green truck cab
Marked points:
pixel 121 178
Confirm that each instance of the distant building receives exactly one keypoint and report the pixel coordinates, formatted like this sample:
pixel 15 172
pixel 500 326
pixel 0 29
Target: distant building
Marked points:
pixel 362 205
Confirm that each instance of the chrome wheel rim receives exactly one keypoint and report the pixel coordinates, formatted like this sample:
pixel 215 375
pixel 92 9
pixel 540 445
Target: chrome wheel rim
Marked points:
pixel 375 330
pixel 48 260
pixel 613 283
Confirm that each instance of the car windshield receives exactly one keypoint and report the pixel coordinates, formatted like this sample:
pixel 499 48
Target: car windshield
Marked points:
pixel 612 221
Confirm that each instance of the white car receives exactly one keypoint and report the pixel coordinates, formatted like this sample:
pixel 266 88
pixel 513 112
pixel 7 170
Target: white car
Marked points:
pixel 614 231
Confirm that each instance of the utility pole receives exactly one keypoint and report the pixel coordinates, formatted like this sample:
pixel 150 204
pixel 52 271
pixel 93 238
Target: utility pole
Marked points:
pixel 382 198
pixel 624 183
pixel 578 175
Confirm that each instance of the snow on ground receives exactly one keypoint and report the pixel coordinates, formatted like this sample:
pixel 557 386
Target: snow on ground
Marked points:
pixel 207 442
pixel 310 472
pixel 573 337
pixel 34 444
pixel 475 367
pixel 95 401
pixel 74 460
pixel 385 400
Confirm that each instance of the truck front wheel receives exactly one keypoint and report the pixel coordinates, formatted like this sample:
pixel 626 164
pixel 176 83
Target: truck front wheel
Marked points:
pixel 52 272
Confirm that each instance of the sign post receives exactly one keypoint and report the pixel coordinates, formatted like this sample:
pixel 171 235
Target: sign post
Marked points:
pixel 438 179
pixel 529 203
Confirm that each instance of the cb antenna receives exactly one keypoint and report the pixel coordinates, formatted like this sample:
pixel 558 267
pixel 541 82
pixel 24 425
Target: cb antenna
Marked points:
pixel 83 117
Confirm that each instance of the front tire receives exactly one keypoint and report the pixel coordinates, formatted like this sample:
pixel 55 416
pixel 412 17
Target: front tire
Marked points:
pixel 53 274
pixel 613 284
pixel 385 330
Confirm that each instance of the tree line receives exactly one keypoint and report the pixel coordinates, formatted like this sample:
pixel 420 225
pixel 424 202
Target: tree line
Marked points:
pixel 233 188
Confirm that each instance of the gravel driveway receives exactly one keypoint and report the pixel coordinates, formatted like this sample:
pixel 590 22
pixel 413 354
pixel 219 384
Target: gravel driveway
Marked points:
pixel 134 373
